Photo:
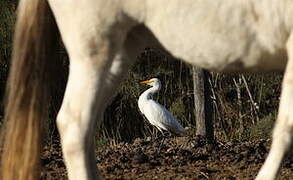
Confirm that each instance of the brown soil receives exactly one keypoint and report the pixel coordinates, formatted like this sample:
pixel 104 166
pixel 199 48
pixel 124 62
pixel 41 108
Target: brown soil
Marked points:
pixel 179 158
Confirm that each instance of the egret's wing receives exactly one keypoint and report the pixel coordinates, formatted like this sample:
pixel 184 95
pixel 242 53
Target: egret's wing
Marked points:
pixel 159 116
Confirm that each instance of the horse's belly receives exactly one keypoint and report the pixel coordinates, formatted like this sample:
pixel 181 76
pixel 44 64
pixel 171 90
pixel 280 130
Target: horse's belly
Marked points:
pixel 232 57
pixel 217 40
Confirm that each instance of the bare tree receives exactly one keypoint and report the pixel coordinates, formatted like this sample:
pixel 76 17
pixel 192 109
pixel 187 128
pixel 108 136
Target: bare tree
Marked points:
pixel 202 103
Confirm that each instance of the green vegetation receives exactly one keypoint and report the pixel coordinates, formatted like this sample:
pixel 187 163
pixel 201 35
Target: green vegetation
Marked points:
pixel 263 128
pixel 7 19
pixel 245 105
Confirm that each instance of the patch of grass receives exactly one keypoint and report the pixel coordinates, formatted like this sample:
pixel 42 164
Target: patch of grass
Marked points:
pixel 101 142
pixel 262 129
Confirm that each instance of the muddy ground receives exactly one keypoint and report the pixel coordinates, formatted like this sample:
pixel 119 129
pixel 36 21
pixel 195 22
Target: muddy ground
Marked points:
pixel 179 158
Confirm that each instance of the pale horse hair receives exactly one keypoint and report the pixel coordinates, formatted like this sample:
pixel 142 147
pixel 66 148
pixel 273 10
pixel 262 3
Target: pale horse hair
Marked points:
pixel 103 37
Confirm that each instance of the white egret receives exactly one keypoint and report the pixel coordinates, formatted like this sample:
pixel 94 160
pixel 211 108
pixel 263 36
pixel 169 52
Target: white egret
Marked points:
pixel 155 113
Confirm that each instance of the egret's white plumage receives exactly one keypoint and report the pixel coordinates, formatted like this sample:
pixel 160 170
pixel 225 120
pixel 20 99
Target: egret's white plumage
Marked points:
pixel 155 113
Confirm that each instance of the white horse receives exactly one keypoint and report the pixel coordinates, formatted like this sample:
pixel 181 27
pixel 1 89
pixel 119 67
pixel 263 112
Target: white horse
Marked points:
pixel 103 37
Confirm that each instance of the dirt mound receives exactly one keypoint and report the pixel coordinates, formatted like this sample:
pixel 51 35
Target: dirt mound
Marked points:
pixel 178 158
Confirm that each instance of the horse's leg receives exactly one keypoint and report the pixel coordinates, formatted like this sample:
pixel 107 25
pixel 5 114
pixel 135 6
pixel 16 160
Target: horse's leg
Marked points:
pixel 282 135
pixel 93 39
pixel 87 91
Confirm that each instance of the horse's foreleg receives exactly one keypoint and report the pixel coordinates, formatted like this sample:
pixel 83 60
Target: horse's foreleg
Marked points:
pixel 282 135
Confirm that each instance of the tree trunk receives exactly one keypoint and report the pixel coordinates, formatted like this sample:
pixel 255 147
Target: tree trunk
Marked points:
pixel 239 103
pixel 202 103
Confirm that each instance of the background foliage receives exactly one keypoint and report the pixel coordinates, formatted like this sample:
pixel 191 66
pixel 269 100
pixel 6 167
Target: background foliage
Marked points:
pixel 245 104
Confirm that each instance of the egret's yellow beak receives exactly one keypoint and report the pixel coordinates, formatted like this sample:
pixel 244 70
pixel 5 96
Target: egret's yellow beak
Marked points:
pixel 145 82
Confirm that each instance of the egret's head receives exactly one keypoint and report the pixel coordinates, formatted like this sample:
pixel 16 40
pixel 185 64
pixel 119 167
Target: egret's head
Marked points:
pixel 152 82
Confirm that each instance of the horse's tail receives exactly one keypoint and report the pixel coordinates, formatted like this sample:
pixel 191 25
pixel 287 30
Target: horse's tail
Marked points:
pixel 35 42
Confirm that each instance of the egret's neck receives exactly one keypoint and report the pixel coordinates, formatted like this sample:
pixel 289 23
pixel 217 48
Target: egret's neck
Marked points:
pixel 148 93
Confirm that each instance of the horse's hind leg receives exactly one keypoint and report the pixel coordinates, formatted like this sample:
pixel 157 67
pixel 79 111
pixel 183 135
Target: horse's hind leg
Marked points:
pixel 282 135
pixel 87 91
pixel 76 123
pixel 93 77
pixel 96 68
